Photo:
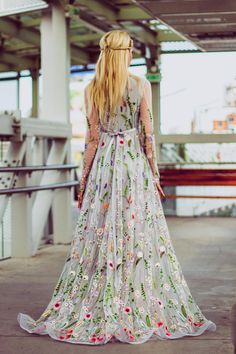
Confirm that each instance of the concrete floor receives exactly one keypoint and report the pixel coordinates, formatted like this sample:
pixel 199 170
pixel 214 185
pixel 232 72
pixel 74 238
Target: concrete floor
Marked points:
pixel 206 249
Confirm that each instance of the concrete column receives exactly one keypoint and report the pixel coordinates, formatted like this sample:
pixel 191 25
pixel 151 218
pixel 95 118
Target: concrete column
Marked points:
pixel 55 64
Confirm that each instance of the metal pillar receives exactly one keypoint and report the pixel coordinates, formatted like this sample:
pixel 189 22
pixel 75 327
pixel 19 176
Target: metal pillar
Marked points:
pixel 154 76
pixel 35 92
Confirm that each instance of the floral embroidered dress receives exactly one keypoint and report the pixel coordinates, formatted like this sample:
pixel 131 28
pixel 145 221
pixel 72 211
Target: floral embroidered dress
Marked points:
pixel 121 280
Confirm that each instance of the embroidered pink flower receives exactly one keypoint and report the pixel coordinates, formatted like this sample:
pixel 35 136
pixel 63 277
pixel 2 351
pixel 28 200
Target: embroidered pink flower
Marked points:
pixel 129 199
pixel 57 305
pixel 190 319
pixel 122 141
pixel 100 231
pixel 131 337
pixel 61 337
pixel 128 309
pixel 110 263
pixel 88 315
pixel 132 215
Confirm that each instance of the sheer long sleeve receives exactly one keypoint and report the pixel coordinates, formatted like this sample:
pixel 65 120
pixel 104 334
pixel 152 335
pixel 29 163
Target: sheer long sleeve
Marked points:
pixel 91 141
pixel 147 136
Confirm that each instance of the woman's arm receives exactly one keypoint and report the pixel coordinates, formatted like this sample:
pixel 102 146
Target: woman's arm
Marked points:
pixel 147 135
pixel 91 144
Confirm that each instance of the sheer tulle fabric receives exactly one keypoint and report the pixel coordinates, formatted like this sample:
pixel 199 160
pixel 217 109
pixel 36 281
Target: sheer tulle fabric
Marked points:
pixel 121 280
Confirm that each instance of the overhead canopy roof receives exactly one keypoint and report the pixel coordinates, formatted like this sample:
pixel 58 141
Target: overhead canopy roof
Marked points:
pixel 174 26
pixel 210 24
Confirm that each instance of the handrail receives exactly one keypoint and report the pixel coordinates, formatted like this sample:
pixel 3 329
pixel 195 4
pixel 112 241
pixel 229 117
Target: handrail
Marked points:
pixel 27 169
pixel 198 177
pixel 183 163
pixel 30 189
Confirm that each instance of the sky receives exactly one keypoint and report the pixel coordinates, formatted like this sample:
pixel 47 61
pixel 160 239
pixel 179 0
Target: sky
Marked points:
pixel 191 82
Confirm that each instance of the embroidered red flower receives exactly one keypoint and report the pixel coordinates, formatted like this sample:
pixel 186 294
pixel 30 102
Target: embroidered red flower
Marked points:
pixel 61 337
pixel 128 309
pixel 88 315
pixel 121 141
pixel 110 264
pixel 159 324
pixel 57 305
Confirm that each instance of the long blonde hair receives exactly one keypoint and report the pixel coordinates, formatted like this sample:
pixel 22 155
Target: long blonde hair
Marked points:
pixel 106 89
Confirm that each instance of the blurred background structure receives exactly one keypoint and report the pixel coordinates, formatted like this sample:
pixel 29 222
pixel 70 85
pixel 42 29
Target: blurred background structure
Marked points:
pixel 186 48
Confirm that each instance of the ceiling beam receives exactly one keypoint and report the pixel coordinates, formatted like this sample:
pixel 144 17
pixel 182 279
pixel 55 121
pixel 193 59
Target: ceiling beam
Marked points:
pixel 131 13
pixel 32 36
pixel 6 67
pixel 109 19
pixel 207 28
pixel 9 58
pixel 102 11
pixel 83 38
pixel 200 19
pixel 168 36
pixel 179 8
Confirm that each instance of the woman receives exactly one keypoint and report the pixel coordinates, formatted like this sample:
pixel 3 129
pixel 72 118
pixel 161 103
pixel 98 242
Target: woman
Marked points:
pixel 121 280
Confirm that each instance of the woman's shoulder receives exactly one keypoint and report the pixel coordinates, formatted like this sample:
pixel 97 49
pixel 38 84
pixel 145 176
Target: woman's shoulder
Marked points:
pixel 139 82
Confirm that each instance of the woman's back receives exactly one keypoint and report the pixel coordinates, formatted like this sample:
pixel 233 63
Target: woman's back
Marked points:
pixel 126 115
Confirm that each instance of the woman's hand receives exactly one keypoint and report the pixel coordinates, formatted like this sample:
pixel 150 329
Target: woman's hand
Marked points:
pixel 160 190
pixel 81 192
pixel 80 198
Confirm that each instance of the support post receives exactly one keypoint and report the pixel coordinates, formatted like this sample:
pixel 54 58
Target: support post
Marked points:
pixel 55 51
pixel 35 92
pixel 154 76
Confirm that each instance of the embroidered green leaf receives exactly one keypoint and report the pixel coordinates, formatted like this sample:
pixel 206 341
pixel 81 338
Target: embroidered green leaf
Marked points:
pixel 143 291
pixel 131 155
pixel 183 311
pixel 148 322
pixel 104 196
pixel 161 254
